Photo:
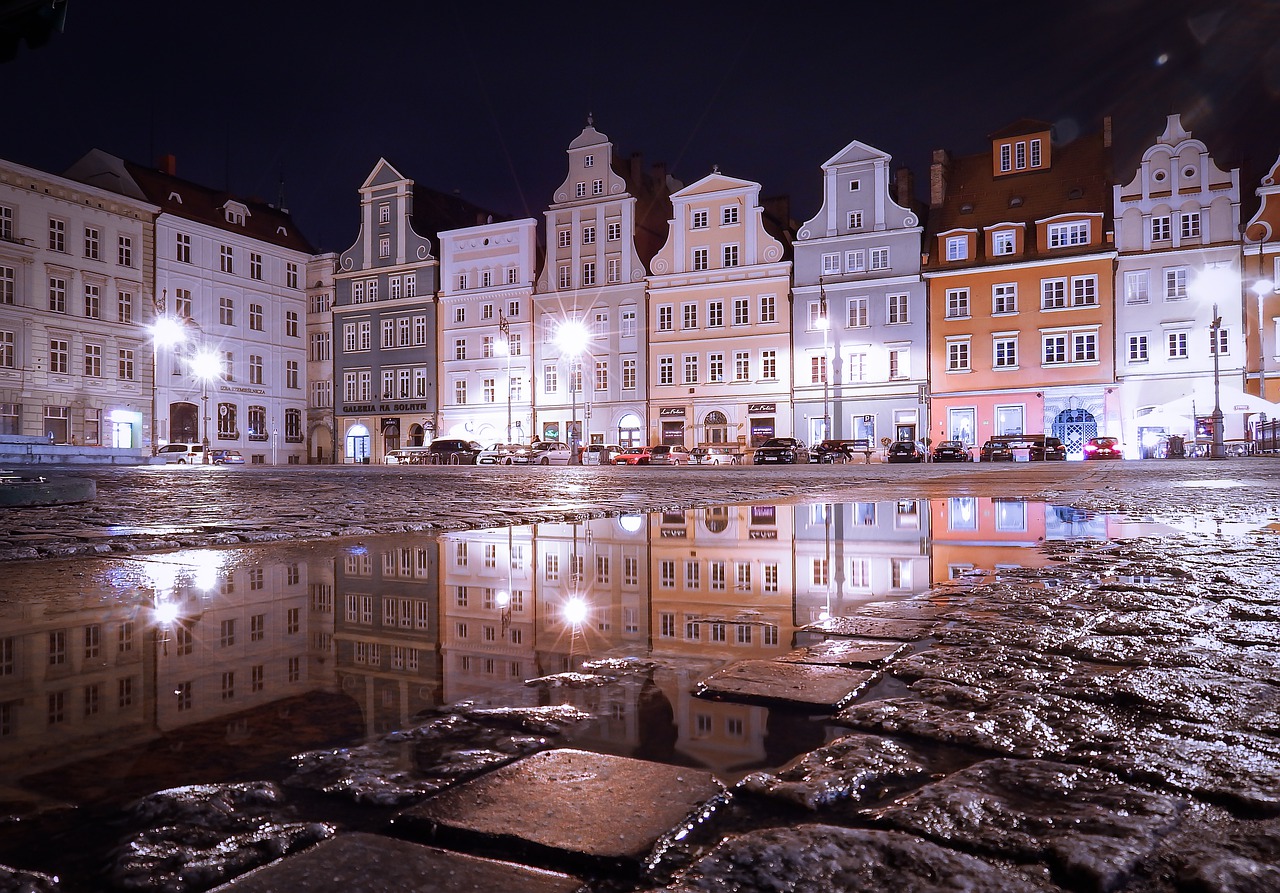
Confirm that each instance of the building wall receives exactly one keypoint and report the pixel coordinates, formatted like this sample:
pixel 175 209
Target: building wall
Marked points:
pixel 321 440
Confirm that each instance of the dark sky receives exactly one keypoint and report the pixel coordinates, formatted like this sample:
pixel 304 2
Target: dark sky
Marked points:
pixel 483 98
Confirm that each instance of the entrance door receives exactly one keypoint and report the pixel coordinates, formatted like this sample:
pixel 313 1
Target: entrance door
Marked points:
pixel 358 444
pixel 1073 427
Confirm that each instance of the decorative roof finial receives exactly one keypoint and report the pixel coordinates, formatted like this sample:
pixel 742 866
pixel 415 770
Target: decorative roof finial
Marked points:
pixel 591 121
pixel 715 168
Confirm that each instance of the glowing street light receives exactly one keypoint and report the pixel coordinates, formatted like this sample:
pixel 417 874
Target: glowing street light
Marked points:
pixel 206 366
pixel 572 337
pixel 165 333
pixel 503 348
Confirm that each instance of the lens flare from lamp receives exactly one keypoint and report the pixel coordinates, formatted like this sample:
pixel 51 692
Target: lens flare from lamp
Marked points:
pixel 503 598
pixel 575 611
pixel 166 612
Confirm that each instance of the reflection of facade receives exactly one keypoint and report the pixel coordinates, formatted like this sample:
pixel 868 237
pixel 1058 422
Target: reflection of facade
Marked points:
pixel 720 321
pixel 386 630
pixel 972 534
pixel 231 270
pixel 320 436
pixel 76 285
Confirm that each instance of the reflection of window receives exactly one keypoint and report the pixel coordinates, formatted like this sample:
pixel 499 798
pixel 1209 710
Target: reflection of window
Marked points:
pixel 716 519
pixel 907 515
pixel 962 513
pixel 1011 514
pixel 864 513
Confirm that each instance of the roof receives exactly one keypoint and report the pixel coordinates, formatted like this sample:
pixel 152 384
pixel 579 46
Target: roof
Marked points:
pixel 1079 181
pixel 435 212
pixel 263 221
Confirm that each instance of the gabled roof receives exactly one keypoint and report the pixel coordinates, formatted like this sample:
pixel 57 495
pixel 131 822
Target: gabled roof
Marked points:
pixel 1079 182
pixel 435 212
pixel 191 201
pixel 1020 127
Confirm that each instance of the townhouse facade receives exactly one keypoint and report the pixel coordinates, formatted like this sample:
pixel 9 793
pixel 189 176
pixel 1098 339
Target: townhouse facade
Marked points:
pixel 720 321
pixel 1177 226
pixel 228 275
pixel 486 329
pixel 321 440
pixel 1019 269
pixel 590 356
pixel 859 320
pixel 385 317
pixel 1261 275
pixel 76 285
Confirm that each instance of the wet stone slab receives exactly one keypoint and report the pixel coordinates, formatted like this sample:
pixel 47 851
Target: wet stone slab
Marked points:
pixel 568 805
pixel 845 653
pixel 771 681
pixel 874 627
pixel 369 863
pixel 1090 827
pixel 829 859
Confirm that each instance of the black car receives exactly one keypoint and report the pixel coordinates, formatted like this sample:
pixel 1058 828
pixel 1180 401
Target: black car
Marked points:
pixel 452 451
pixel 830 452
pixel 904 451
pixel 1010 447
pixel 951 451
pixel 782 451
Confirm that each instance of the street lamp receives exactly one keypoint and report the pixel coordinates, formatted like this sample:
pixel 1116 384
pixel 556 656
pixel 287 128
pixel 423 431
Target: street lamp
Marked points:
pixel 1217 449
pixel 571 338
pixel 165 332
pixel 504 349
pixel 1209 285
pixel 205 365
pixel 824 323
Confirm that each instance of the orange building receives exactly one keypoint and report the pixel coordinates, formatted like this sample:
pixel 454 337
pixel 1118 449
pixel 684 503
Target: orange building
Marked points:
pixel 1261 276
pixel 1019 264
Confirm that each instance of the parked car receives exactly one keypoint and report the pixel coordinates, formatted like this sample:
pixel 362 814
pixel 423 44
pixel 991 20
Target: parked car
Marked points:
pixel 633 456
pixel 181 453
pixel 664 454
pixel 951 451
pixel 904 451
pixel 549 452
pixel 226 457
pixel 600 453
pixel 713 455
pixel 782 451
pixel 1103 448
pixel 453 451
pixel 503 454
pixel 831 452
pixel 1009 447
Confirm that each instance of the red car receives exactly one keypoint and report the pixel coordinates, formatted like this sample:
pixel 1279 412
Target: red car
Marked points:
pixel 633 456
pixel 1103 448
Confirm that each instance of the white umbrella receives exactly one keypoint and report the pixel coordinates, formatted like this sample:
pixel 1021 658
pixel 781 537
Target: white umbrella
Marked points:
pixel 1161 418
pixel 1231 399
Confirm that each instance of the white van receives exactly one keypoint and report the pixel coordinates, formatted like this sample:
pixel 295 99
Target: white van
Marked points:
pixel 181 453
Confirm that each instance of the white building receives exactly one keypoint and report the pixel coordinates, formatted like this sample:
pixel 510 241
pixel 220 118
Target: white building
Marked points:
pixel 486 331
pixel 230 272
pixel 75 297
pixel 1177 225
pixel 320 291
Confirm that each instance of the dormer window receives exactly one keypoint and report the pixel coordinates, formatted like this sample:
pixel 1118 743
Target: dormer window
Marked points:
pixel 235 213
pixel 957 248
pixel 1065 235
pixel 1015 201
pixel 1003 242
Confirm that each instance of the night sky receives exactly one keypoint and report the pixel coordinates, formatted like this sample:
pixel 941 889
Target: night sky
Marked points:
pixel 483 98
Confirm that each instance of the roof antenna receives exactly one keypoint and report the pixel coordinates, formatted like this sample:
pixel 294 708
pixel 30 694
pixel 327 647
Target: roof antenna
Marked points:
pixel 280 193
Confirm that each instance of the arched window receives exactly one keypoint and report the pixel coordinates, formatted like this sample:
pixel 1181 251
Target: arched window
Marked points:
pixel 717 427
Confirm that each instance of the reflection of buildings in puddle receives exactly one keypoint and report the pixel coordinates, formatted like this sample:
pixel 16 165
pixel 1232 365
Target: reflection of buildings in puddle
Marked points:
pixel 151 647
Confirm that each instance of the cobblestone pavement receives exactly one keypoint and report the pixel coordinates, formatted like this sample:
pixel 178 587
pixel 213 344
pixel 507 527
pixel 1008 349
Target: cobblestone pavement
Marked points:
pixel 154 508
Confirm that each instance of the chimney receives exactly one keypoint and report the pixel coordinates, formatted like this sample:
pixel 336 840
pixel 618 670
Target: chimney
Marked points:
pixel 904 187
pixel 939 174
pixel 168 164
pixel 1106 132
pixel 637 172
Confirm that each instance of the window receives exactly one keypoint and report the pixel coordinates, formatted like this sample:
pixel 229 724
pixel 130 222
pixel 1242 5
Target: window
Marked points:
pixel 226 259
pixel 1221 345
pixel 1084 291
pixel 689 316
pixel 957 303
pixel 125 369
pixel 1190 225
pixel 57 235
pixel 741 365
pixel 1136 287
pixel 57 294
pixel 1053 294
pixel 701 258
pixel 1055 349
pixel 957 247
pixel 715 314
pixel 1003 242
pixel 1175 284
pixel 460 348
pixel 255 265
pixel 59 355
pixel 741 312
pixel 291 275
pixel 580 190
pixel 614 269
pixel 857 313
pixel 1006 353
pixel 1020 155
pixel 292 378
pixel 93 360
pixel 958 356
pixel 769 364
pixel 855 220
pixel 666 370
pixel 1004 298
pixel 1138 349
pixel 384 249
pixel 698 219
pixel 6 223
pixel 1006 158
pixel 897 309
pixel 879 258
pixel 7 279
pixel 597 187
pixel 729 215
pixel 588 235
pixel 124 306
pixel 855 261
pixel 613 232
pixel 182 303
pixel 227 311
pixel 1064 235
pixel 589 273
pixel 629 374
pixel 255 317
pixel 92 243
pixel 715 367
pixel 460 392
pixel 1160 228
pixel 182 247
pixel 768 308
pixel 1035 153
pixel 666 315
pixel 1084 347
pixel 818 370
pixel 730 256
pixel 1177 345
pixel 830 264
pixel 255 370
pixel 602 375
pixel 291 323
pixel 92 302
pixel 899 363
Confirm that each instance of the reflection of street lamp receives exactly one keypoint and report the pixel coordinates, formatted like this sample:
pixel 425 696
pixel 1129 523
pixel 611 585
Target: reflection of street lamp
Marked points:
pixel 165 332
pixel 571 338
pixel 1262 288
pixel 824 323
pixel 1216 448
pixel 205 366
pixel 504 349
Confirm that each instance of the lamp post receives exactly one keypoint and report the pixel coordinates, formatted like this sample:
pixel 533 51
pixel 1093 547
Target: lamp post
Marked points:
pixel 504 347
pixel 165 332
pixel 571 338
pixel 1261 289
pixel 824 323
pixel 1216 448
pixel 205 366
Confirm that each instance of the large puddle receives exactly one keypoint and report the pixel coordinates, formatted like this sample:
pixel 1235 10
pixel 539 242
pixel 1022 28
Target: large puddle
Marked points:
pixel 121 677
